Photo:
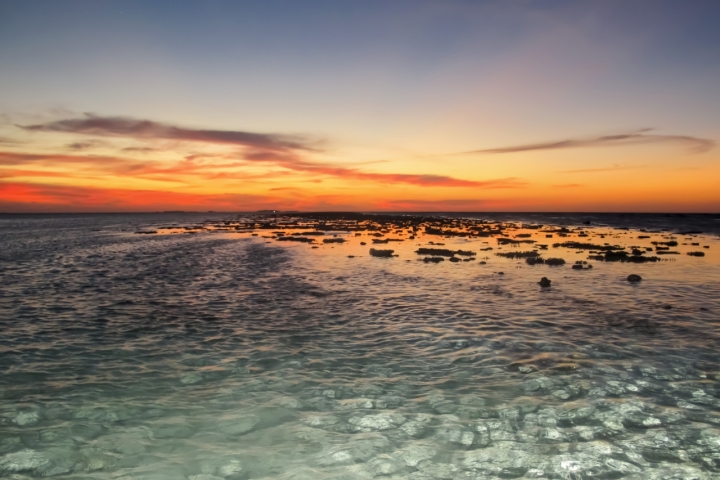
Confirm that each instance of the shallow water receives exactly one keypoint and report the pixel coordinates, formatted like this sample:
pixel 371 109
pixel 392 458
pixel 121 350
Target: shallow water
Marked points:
pixel 226 355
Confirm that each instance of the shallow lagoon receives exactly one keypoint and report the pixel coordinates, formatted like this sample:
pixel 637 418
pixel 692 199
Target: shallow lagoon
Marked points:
pixel 220 354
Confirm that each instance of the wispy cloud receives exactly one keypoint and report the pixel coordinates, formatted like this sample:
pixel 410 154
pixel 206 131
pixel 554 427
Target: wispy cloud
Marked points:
pixel 695 144
pixel 287 152
pixel 147 129
pixel 15 173
pixel 395 178
pixel 446 205
pixel 226 167
pixel 77 146
pixel 139 149
pixel 30 197
pixel 14 158
pixel 611 168
pixel 431 180
pixel 294 162
pixel 7 141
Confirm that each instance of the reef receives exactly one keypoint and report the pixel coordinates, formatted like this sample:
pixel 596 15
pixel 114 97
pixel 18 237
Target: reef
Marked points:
pixel 514 255
pixel 586 246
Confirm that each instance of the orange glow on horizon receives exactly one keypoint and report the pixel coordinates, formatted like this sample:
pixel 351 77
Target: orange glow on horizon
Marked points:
pixel 119 164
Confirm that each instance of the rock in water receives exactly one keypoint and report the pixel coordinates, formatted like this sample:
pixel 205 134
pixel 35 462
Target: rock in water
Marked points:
pixel 433 259
pixel 24 460
pixel 554 261
pixel 634 278
pixel 381 253
pixel 544 282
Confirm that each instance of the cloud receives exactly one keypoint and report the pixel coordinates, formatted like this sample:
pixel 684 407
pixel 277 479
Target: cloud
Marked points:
pixel 604 169
pixel 221 168
pixel 110 164
pixel 7 141
pixel 99 166
pixel 30 197
pixel 14 173
pixel 84 145
pixel 146 129
pixel 447 205
pixel 293 162
pixel 287 152
pixel 13 158
pixel 139 149
pixel 79 145
pixel 695 144
pixel 430 180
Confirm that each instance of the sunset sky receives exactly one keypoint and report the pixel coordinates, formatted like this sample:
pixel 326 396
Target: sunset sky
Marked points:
pixel 360 105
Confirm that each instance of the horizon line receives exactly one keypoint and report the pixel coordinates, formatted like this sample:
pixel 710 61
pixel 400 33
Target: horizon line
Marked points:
pixel 568 212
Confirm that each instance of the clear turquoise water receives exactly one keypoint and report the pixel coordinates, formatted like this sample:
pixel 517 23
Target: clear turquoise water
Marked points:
pixel 220 355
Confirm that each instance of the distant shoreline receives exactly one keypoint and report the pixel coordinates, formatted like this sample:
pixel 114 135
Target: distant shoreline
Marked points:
pixel 369 212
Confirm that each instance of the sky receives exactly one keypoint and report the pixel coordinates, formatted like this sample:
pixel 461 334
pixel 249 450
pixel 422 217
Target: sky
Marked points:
pixel 387 105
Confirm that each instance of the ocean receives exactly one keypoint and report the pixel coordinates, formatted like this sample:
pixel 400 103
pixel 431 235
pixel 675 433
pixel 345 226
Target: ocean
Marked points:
pixel 207 346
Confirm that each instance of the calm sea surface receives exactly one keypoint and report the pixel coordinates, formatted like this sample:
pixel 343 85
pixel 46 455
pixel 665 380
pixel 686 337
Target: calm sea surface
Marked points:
pixel 223 355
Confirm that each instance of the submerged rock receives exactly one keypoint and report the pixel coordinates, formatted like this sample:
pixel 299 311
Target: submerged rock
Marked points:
pixel 385 465
pixel 239 426
pixel 130 441
pixel 321 421
pixel 634 278
pixel 23 461
pixel 413 454
pixel 191 378
pixel 219 468
pixel 414 428
pixel 172 428
pixel 26 418
pixel 377 422
pixel 462 437
pixel 355 451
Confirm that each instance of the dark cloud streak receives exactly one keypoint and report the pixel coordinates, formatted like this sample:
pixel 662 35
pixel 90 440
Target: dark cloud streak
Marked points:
pixel 287 152
pixel 695 144
pixel 209 171
pixel 146 129
pixel 613 168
